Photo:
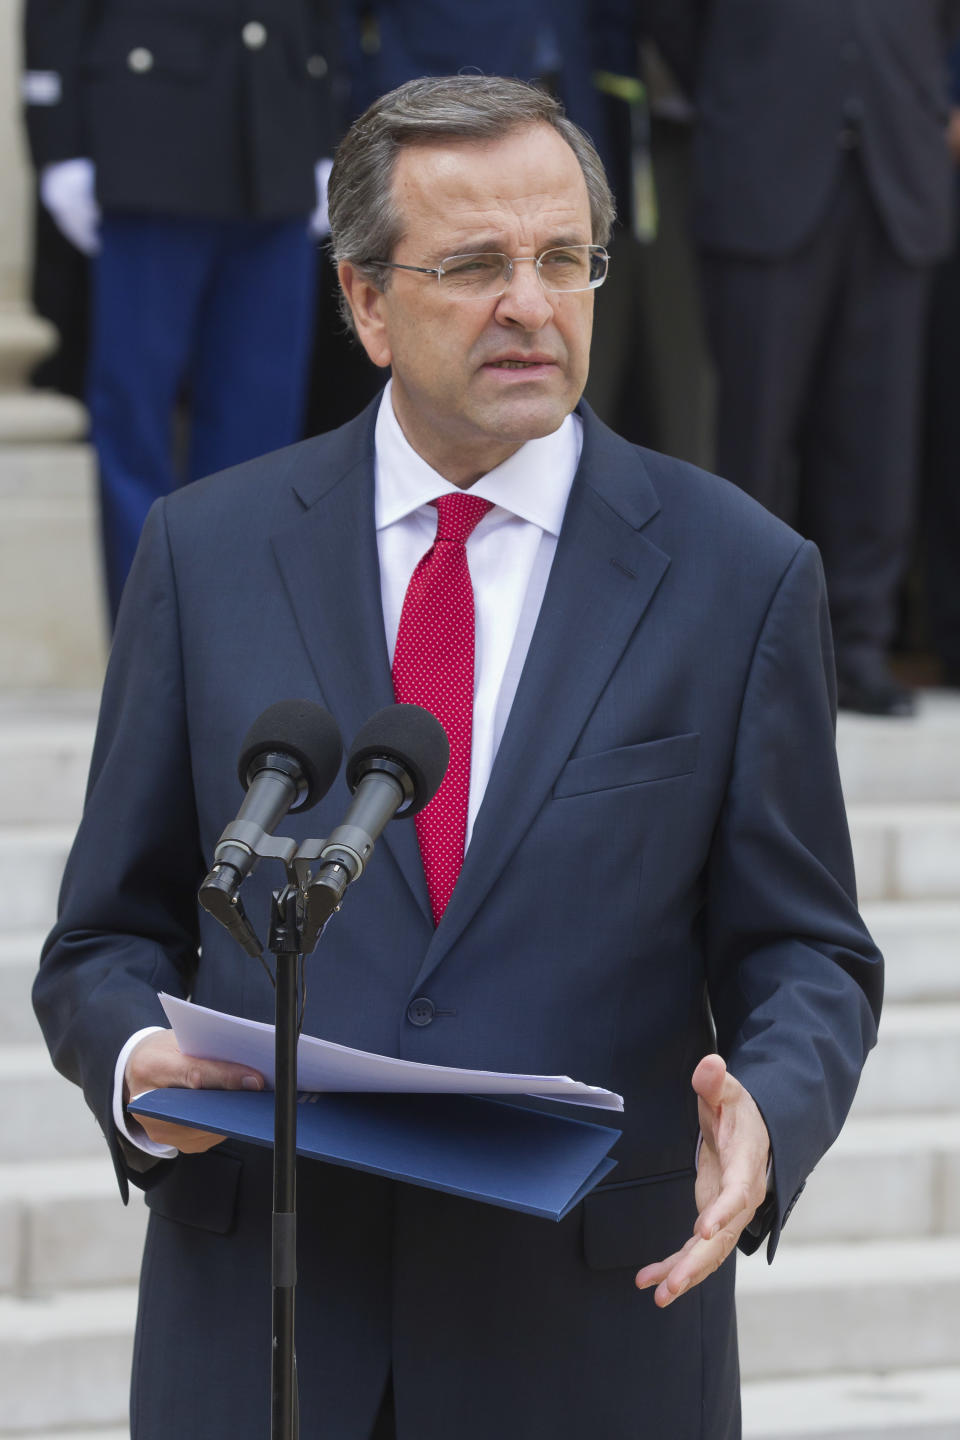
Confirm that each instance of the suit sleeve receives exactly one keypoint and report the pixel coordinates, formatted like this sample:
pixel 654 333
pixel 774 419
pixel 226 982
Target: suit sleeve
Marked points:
pixel 56 33
pixel 795 980
pixel 127 920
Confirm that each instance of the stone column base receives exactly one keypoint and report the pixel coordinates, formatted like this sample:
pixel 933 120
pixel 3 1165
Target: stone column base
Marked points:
pixel 53 628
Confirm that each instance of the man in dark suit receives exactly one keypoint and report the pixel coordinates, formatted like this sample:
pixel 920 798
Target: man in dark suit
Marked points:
pixel 657 883
pixel 822 197
pixel 184 146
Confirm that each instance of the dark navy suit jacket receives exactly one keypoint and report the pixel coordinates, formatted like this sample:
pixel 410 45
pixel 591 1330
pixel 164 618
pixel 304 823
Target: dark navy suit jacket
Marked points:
pixel 661 854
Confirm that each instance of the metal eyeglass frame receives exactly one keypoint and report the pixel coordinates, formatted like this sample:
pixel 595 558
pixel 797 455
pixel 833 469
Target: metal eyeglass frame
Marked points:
pixel 596 251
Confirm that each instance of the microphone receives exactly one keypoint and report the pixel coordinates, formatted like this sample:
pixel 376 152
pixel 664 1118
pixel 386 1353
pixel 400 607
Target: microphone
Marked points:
pixel 395 767
pixel 289 760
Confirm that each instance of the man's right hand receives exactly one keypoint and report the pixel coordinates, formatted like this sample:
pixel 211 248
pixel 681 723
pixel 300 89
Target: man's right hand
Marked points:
pixel 158 1063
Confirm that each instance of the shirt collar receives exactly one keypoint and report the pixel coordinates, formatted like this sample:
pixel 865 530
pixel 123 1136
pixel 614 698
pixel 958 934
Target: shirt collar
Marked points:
pixel 533 484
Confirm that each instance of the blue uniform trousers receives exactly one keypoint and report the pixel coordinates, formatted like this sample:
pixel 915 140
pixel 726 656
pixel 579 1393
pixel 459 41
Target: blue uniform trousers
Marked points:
pixel 218 310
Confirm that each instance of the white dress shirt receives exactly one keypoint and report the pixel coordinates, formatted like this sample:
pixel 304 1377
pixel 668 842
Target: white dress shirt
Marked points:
pixel 509 554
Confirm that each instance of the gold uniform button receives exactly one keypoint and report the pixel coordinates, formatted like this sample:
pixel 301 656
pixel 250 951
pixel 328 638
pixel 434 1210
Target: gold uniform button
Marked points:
pixel 140 60
pixel 317 67
pixel 254 35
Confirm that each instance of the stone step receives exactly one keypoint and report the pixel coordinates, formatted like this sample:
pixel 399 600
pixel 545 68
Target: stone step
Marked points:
pixel 62 1223
pixel 898 1405
pixel 817 1311
pixel 920 940
pixel 887 1177
pixel 902 853
pixel 45 755
pixel 43 1115
pixel 64 1226
pixel 878 1305
pixel 881 761
pixel 916 1063
pixel 889 760
pixel 19 956
pixel 31 866
pixel 65 1360
pixel 906 851
pixel 122 1433
pixel 35 417
pixel 51 591
pixel 914 1068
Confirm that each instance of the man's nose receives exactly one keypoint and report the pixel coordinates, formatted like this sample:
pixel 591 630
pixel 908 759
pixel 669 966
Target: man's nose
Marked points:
pixel 524 302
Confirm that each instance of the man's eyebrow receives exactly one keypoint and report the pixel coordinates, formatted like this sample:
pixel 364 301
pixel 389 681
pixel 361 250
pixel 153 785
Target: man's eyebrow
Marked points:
pixel 563 242
pixel 495 245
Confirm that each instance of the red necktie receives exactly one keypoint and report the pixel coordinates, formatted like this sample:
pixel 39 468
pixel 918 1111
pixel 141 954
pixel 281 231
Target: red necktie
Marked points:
pixel 433 667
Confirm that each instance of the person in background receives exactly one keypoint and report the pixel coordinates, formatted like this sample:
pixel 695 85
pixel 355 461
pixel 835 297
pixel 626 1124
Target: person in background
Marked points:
pixel 822 196
pixel 941 452
pixel 184 147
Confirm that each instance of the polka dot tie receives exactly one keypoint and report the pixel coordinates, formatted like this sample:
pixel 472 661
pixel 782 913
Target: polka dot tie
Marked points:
pixel 433 667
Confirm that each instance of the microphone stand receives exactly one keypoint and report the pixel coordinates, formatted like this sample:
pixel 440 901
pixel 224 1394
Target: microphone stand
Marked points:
pixel 296 923
pixel 285 943
pixel 298 917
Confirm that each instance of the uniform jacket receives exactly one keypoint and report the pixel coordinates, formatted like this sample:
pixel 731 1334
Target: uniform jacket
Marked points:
pixel 660 864
pixel 391 41
pixel 205 108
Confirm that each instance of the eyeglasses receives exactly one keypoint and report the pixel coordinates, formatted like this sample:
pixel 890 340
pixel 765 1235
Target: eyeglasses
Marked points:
pixel 566 269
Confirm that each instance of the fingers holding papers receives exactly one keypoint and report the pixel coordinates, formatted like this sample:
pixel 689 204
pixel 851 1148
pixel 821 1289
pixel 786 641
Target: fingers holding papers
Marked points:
pixel 731 1182
pixel 158 1063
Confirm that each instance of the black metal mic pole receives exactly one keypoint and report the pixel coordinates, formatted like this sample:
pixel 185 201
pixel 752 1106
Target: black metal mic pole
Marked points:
pixel 285 944
pixel 401 754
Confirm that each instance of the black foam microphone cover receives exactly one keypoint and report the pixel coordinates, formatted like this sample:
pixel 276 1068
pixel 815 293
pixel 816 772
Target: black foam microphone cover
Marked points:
pixel 412 738
pixel 302 730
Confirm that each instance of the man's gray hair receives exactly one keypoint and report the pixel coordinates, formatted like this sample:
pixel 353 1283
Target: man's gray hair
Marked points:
pixel 365 225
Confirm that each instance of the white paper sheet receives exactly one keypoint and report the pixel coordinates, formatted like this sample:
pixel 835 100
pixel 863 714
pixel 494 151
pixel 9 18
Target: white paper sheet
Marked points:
pixel 322 1065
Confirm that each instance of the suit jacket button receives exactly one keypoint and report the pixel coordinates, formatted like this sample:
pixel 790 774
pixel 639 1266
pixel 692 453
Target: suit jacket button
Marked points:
pixel 421 1011
pixel 254 35
pixel 317 67
pixel 140 60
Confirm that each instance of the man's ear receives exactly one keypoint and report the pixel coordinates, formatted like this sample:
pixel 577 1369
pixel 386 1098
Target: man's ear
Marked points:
pixel 366 305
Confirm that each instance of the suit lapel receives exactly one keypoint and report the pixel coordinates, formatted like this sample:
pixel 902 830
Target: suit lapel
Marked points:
pixel 603 577
pixel 327 555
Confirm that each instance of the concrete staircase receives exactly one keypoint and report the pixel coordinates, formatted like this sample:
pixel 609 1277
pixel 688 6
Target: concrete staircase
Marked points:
pixel 853 1334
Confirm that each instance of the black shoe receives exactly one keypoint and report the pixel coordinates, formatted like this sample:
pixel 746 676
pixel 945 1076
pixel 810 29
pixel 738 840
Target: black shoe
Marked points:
pixel 864 683
pixel 950 677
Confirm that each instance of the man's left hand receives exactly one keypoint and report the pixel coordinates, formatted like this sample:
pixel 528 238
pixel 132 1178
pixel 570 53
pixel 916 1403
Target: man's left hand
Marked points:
pixel 731 1181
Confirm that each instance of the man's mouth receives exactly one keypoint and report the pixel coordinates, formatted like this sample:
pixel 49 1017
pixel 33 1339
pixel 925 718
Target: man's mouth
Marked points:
pixel 518 364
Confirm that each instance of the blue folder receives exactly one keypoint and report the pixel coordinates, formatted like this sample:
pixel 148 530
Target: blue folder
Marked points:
pixel 495 1151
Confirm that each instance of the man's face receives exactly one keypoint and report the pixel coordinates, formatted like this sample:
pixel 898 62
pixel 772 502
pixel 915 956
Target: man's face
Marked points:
pixel 460 395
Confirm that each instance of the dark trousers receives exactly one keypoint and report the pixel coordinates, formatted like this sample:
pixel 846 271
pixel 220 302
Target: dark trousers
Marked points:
pixel 219 310
pixel 818 365
pixel 941 492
